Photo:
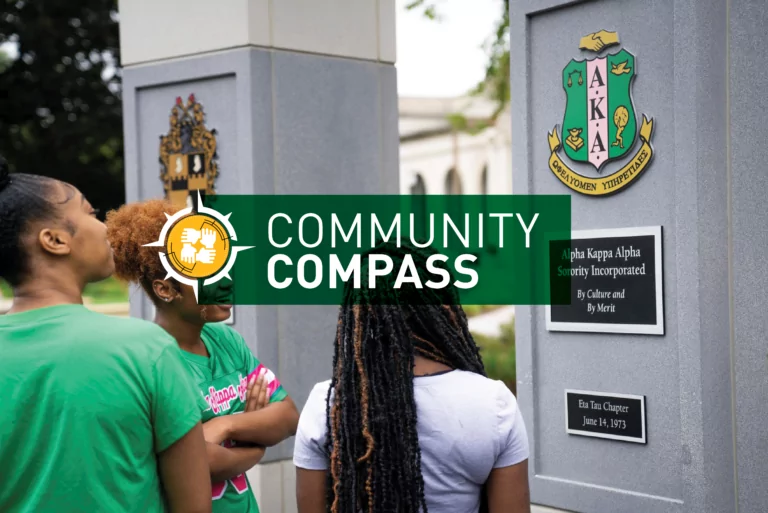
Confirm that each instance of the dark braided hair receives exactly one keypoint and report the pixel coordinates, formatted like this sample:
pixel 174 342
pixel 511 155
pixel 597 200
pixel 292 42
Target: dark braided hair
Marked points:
pixel 375 459
pixel 24 199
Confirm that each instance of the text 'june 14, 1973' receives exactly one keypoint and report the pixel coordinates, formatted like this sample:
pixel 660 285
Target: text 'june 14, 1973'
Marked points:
pixel 605 415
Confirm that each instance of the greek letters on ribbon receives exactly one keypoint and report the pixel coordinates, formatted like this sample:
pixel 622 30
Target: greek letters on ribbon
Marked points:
pixel 611 183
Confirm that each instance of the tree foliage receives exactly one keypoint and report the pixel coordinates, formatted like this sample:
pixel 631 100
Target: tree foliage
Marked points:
pixel 499 355
pixel 5 60
pixel 495 83
pixel 60 105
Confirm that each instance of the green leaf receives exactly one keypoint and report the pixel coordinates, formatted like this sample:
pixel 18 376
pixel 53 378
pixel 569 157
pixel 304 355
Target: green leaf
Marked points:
pixel 5 60
pixel 458 121
pixel 429 10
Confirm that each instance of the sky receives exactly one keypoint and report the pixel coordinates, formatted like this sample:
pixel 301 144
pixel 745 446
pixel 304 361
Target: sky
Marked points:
pixel 443 58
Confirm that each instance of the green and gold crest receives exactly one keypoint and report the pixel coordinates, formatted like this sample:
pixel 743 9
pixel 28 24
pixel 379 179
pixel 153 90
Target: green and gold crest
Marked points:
pixel 600 123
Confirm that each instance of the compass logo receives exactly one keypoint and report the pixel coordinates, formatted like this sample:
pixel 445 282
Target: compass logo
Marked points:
pixel 198 245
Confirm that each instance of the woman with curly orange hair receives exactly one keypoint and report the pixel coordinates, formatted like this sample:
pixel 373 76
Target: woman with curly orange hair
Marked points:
pixel 231 380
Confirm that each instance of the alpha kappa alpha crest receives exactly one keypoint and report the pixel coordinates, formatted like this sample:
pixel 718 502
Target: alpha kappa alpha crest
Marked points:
pixel 600 124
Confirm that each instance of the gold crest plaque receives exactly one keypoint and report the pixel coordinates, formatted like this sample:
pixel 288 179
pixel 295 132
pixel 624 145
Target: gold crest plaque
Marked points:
pixel 188 155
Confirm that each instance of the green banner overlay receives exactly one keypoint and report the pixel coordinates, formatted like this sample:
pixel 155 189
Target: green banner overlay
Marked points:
pixel 484 249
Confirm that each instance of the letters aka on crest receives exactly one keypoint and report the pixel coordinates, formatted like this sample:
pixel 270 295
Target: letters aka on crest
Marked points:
pixel 600 124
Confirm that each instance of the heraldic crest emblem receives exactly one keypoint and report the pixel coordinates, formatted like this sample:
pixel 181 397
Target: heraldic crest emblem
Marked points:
pixel 188 155
pixel 600 123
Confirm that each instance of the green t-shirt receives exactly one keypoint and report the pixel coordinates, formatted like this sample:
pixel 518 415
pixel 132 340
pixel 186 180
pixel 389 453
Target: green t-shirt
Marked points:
pixel 89 401
pixel 222 379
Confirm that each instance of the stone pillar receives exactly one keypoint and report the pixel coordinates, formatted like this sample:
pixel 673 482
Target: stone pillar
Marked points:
pixel 700 74
pixel 303 97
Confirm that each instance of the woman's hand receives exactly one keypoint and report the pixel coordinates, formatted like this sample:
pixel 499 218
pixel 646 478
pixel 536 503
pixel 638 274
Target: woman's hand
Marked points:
pixel 218 429
pixel 257 396
pixel 263 423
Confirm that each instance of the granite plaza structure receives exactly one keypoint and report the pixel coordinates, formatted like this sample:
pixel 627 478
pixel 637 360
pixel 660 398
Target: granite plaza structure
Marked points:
pixel 700 75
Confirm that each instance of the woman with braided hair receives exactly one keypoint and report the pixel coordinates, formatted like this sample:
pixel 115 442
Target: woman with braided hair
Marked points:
pixel 98 414
pixel 409 422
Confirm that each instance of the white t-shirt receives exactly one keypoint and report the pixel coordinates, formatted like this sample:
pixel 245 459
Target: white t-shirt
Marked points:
pixel 467 426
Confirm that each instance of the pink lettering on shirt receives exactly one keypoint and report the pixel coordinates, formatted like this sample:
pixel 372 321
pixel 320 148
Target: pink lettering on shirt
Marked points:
pixel 221 400
pixel 272 382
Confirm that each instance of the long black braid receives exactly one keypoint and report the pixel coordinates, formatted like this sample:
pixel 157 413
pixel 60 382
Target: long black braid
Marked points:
pixel 375 460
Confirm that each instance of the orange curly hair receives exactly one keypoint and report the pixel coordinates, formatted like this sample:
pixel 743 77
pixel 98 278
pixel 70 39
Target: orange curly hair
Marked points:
pixel 128 229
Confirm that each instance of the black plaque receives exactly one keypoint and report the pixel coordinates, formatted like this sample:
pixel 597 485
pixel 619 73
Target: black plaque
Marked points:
pixel 602 415
pixel 616 281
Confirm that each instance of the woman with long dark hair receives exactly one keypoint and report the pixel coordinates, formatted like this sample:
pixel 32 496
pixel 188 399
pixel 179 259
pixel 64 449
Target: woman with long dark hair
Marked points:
pixel 409 422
